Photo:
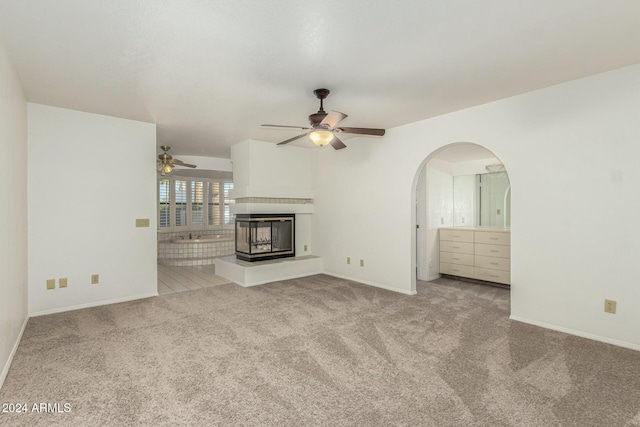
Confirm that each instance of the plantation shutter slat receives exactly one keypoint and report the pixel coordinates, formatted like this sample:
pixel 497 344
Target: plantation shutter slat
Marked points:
pixel 164 198
pixel 197 203
pixel 181 203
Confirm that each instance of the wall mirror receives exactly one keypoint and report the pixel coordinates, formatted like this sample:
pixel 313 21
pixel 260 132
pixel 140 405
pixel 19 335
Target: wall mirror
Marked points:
pixel 482 200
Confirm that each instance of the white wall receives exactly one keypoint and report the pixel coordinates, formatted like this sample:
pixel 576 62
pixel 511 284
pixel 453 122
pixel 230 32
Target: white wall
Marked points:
pixel 13 211
pixel 205 163
pixel 571 151
pixel 90 177
pixel 440 210
pixel 262 169
pixel 422 263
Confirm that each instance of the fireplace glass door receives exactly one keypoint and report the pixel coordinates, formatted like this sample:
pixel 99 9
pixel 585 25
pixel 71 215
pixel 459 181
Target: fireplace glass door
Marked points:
pixel 260 237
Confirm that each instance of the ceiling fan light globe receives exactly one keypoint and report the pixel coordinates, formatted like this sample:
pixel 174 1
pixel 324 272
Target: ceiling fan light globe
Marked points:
pixel 321 137
pixel 167 168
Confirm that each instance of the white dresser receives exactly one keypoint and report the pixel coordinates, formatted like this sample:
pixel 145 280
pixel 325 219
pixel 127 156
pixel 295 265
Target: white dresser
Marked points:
pixel 482 253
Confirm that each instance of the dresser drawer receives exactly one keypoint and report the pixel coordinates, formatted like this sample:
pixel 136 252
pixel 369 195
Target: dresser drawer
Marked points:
pixel 493 237
pixel 456 235
pixel 454 258
pixel 457 247
pixel 493 250
pixel 493 262
pixel 491 275
pixel 456 270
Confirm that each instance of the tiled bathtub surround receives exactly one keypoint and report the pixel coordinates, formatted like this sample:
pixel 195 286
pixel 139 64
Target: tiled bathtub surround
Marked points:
pixel 190 253
pixel 194 233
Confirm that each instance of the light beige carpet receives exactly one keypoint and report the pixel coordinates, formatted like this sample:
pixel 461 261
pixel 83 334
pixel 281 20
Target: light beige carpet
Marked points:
pixel 317 351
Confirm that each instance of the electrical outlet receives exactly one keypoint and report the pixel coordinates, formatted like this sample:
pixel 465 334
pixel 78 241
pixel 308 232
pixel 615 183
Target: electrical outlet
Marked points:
pixel 610 306
pixel 498 211
pixel 51 284
pixel 361 263
pixel 95 279
pixel 62 282
pixel 348 260
pixel 305 248
pixel 441 220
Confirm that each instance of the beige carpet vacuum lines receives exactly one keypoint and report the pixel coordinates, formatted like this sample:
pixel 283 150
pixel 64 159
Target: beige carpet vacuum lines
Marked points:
pixel 317 351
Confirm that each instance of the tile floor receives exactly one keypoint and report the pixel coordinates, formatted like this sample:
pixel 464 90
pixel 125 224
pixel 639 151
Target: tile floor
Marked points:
pixel 179 279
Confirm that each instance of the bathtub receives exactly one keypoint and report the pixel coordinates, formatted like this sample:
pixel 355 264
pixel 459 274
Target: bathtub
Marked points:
pixel 191 252
pixel 205 239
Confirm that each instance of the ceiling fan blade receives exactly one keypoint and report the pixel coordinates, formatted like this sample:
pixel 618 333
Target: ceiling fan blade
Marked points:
pixel 181 163
pixel 362 131
pixel 286 141
pixel 289 127
pixel 337 144
pixel 333 118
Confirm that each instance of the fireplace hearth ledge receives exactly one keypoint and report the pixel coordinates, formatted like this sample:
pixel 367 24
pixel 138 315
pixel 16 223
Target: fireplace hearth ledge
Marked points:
pixel 255 273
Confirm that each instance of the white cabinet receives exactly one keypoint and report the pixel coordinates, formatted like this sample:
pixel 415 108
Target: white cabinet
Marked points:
pixel 476 253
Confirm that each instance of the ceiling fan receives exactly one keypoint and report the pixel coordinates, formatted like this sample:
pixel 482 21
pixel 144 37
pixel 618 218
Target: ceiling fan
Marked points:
pixel 166 162
pixel 323 127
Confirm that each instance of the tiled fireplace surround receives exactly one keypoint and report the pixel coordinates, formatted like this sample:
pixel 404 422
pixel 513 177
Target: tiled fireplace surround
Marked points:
pixel 205 253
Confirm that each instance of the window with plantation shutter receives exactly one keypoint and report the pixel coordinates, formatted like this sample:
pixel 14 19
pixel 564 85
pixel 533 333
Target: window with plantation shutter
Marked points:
pixel 197 203
pixel 228 217
pixel 194 203
pixel 164 198
pixel 214 203
pixel 181 203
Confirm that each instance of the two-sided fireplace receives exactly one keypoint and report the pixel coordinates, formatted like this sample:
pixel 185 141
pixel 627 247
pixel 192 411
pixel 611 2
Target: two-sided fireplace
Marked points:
pixel 265 236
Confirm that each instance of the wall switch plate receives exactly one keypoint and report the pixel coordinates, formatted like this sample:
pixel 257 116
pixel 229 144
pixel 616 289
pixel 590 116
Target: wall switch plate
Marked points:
pixel 142 222
pixel 361 263
pixel 348 260
pixel 441 220
pixel 498 211
pixel 610 306
pixel 51 284
pixel 62 282
pixel 305 248
pixel 95 279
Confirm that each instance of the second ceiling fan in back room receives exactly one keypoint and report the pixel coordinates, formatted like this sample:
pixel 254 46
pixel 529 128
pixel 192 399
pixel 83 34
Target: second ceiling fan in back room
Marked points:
pixel 166 162
pixel 324 127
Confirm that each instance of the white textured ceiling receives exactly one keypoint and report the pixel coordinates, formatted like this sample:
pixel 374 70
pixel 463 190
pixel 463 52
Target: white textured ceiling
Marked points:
pixel 210 72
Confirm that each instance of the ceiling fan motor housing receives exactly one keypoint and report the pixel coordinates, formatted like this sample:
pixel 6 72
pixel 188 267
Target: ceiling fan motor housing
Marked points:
pixel 315 119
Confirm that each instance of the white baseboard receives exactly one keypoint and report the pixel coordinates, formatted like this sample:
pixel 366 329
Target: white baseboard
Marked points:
pixel 7 365
pixel 94 304
pixel 569 331
pixel 377 285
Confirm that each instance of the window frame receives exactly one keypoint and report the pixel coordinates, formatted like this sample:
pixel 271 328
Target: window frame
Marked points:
pixel 226 222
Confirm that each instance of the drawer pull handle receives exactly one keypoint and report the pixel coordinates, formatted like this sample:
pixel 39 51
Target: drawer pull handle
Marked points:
pixel 494 251
pixel 455 247
pixel 493 238
pixel 455 235
pixel 453 269
pixel 494 276
pixel 457 259
pixel 494 263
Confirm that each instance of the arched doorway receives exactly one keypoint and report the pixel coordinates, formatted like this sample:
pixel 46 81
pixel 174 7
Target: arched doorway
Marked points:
pixel 461 184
